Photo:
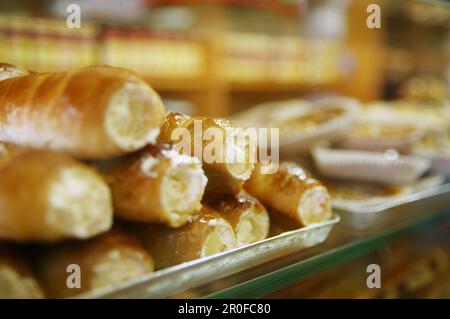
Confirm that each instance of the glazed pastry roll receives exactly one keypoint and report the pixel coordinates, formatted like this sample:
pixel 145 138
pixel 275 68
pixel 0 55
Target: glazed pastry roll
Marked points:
pixel 156 185
pixel 227 153
pixel 208 234
pixel 247 216
pixel 17 280
pixel 103 261
pixel 291 192
pixel 94 112
pixel 8 71
pixel 46 196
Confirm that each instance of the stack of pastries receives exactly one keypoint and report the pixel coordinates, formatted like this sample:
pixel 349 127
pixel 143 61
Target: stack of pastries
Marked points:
pixel 92 180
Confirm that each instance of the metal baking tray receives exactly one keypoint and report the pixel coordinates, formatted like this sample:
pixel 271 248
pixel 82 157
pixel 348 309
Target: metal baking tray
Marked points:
pixel 364 216
pixel 176 279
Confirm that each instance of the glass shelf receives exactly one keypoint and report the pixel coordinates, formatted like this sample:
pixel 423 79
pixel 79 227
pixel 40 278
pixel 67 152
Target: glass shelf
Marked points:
pixel 343 245
pixel 443 3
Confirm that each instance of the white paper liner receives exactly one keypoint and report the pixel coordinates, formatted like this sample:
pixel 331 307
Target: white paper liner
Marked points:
pixel 371 204
pixel 348 204
pixel 369 166
pixel 333 130
pixel 339 201
pixel 429 181
pixel 381 144
pixel 261 115
pixel 301 141
pixel 425 118
pixel 440 159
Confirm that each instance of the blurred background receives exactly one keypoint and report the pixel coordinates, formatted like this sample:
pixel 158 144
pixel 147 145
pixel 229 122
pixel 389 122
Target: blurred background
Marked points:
pixel 219 57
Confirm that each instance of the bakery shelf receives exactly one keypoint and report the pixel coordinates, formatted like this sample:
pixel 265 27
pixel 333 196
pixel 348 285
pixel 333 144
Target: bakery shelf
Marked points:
pixel 268 266
pixel 343 245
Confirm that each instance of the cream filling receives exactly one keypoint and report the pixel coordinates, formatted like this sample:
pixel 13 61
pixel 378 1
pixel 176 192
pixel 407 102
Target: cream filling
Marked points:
pixel 183 190
pixel 128 116
pixel 314 205
pixel 149 167
pixel 241 171
pixel 252 227
pixel 13 285
pixel 8 71
pixel 118 265
pixel 238 152
pixel 219 240
pixel 237 163
pixel 79 204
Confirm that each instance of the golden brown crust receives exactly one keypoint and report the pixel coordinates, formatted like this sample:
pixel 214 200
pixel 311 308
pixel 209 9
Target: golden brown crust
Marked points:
pixel 357 191
pixel 247 216
pixel 46 196
pixel 8 152
pixel 17 279
pixel 73 111
pixel 309 121
pixel 292 192
pixel 171 122
pixel 172 246
pixel 374 131
pixel 104 260
pixel 224 176
pixel 156 185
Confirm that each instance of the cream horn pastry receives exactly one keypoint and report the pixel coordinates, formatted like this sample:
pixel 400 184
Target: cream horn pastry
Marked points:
pixel 206 235
pixel 102 261
pixel 292 192
pixel 17 280
pixel 226 152
pixel 46 196
pixel 157 184
pixel 94 112
pixel 247 216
